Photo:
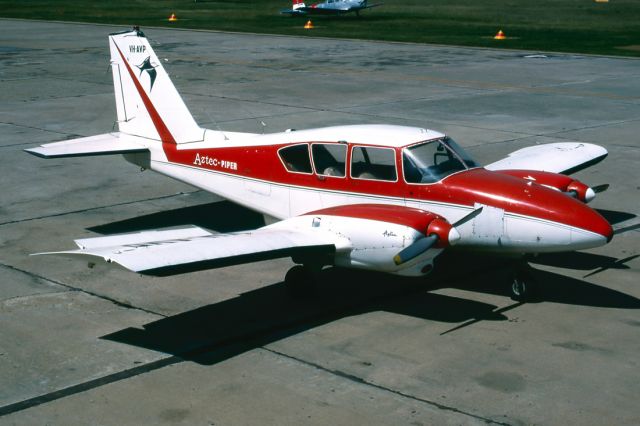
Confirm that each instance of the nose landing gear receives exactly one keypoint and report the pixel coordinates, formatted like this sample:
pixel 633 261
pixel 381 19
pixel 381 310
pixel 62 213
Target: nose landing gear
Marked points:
pixel 523 283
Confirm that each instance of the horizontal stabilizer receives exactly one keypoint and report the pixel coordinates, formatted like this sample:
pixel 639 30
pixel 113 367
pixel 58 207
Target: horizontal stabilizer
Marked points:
pixel 175 251
pixel 561 157
pixel 106 144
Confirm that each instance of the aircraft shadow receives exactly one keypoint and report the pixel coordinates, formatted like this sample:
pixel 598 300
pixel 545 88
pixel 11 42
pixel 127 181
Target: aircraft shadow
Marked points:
pixel 615 217
pixel 582 261
pixel 491 275
pixel 216 332
pixel 221 216
pixel 268 314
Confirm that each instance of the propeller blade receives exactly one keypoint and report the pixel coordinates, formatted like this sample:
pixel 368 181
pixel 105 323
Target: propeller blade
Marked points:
pixel 600 188
pixel 468 217
pixel 425 243
pixel 415 249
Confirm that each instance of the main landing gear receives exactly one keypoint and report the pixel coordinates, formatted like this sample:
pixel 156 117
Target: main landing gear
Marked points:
pixel 523 285
pixel 301 280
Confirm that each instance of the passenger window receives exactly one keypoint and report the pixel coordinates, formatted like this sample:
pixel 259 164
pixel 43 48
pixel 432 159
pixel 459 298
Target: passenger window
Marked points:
pixel 329 159
pixel 296 158
pixel 373 163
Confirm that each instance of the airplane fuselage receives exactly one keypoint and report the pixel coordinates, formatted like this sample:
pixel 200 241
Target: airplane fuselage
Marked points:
pixel 519 216
pixel 328 7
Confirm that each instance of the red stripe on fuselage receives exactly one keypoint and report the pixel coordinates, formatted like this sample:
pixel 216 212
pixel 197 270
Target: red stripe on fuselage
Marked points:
pixel 513 194
pixel 161 128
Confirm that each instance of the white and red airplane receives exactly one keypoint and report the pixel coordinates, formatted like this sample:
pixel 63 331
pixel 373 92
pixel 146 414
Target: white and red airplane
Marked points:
pixel 328 7
pixel 377 197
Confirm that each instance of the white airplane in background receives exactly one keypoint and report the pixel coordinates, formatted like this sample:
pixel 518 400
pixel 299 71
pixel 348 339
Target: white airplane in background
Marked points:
pixel 376 197
pixel 328 7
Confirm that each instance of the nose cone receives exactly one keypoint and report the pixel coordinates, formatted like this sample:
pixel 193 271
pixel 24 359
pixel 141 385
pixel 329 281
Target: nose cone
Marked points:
pixel 589 229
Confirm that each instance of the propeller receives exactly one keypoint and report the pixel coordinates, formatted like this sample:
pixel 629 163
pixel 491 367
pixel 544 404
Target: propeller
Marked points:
pixel 416 249
pixel 600 188
pixel 439 230
pixel 584 193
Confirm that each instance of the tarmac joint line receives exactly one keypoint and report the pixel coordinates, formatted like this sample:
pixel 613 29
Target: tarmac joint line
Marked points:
pixel 85 386
pixel 362 381
pixel 72 288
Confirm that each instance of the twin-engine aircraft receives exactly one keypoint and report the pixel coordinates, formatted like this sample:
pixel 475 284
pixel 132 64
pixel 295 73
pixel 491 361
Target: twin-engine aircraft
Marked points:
pixel 377 197
pixel 328 7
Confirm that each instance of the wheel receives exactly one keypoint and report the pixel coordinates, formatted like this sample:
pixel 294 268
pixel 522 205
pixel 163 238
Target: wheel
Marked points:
pixel 299 280
pixel 522 285
pixel 518 289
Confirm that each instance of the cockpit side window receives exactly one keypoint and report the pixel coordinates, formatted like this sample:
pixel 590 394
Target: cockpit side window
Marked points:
pixel 432 161
pixel 329 159
pixel 296 158
pixel 373 163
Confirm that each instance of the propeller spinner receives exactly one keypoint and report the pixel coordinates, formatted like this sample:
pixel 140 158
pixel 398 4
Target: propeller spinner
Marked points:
pixel 439 233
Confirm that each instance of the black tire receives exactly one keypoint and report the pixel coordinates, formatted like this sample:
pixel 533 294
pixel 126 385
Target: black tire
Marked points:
pixel 519 289
pixel 299 281
pixel 522 285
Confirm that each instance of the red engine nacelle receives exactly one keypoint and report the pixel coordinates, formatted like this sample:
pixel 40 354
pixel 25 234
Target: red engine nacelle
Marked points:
pixel 562 183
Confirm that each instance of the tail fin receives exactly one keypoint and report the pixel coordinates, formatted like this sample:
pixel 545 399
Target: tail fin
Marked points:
pixel 147 102
pixel 298 4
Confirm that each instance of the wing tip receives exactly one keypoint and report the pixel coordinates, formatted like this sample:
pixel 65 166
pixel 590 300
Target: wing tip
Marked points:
pixel 37 152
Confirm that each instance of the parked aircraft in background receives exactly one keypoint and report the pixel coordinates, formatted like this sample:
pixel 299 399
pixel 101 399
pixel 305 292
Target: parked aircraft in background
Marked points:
pixel 377 197
pixel 328 7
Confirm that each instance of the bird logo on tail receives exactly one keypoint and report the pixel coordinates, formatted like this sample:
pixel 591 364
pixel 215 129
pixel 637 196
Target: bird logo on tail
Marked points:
pixel 150 69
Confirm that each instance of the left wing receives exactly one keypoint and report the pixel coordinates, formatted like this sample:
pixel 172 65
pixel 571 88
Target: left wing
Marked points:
pixel 562 157
pixel 105 144
pixel 176 251
pixel 388 238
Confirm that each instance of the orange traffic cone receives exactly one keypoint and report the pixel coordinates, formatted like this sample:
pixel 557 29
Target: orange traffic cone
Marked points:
pixel 308 25
pixel 500 36
pixel 173 17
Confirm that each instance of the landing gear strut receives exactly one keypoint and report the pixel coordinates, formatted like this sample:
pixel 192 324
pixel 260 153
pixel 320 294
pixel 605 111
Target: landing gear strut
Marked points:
pixel 522 283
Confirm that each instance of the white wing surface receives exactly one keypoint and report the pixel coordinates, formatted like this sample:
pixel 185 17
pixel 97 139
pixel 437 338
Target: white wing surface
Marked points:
pixel 170 252
pixel 563 157
pixel 106 144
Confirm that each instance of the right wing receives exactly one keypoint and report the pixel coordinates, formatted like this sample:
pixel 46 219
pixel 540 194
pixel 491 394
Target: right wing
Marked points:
pixel 561 157
pixel 295 12
pixel 176 251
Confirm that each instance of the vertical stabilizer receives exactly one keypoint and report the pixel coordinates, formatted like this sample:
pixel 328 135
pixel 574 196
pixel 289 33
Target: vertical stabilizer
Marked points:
pixel 147 102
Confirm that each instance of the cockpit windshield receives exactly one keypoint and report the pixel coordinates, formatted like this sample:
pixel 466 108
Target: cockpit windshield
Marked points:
pixel 434 160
